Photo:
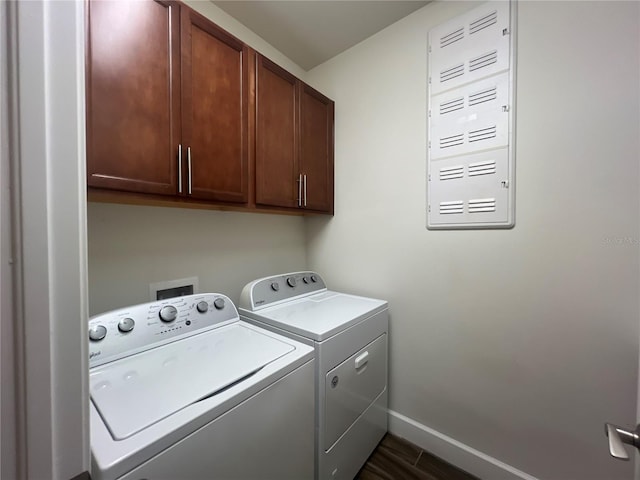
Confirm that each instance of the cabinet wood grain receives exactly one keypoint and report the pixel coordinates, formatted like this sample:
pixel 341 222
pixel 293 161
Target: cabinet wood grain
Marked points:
pixel 294 142
pixel 316 148
pixel 276 169
pixel 215 110
pixel 179 110
pixel 133 93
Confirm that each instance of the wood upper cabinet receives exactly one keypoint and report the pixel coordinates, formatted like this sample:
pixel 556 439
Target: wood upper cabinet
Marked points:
pixel 176 106
pixel 316 149
pixel 276 169
pixel 294 142
pixel 214 111
pixel 166 102
pixel 133 95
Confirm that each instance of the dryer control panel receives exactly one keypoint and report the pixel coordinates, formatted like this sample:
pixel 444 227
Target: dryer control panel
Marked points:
pixel 126 331
pixel 272 290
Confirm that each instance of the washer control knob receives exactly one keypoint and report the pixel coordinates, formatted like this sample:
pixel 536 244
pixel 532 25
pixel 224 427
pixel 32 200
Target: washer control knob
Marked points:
pixel 291 281
pixel 219 303
pixel 202 306
pixel 97 333
pixel 126 325
pixel 275 287
pixel 305 279
pixel 314 278
pixel 168 313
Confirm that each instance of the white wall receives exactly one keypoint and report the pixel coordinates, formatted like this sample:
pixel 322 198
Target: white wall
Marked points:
pixel 521 343
pixel 131 247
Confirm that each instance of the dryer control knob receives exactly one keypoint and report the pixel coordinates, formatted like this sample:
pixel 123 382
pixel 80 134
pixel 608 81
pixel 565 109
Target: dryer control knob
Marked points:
pixel 202 306
pixel 291 281
pixel 219 303
pixel 314 278
pixel 126 325
pixel 275 287
pixel 97 333
pixel 168 313
pixel 305 279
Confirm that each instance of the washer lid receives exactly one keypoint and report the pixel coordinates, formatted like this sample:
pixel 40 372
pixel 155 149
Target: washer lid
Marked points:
pixel 135 392
pixel 319 316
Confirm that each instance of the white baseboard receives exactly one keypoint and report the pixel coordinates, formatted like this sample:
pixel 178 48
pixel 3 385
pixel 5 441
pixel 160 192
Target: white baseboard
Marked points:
pixel 454 452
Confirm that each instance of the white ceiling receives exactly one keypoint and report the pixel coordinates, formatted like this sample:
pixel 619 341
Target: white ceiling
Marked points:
pixel 311 32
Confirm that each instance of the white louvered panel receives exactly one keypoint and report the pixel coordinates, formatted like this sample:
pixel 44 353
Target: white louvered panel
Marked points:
pixel 482 135
pixel 471 118
pixel 483 61
pixel 471 95
pixel 470 47
pixel 485 21
pixel 451 173
pixel 484 95
pixel 452 37
pixel 479 205
pixel 450 141
pixel 489 94
pixel 487 167
pixel 450 106
pixel 451 208
pixel 475 195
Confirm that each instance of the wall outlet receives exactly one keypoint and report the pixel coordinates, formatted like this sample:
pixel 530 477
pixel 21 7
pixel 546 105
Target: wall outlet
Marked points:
pixel 173 288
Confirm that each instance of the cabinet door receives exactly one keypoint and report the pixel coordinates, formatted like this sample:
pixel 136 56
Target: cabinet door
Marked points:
pixel 214 111
pixel 276 172
pixel 316 149
pixel 133 95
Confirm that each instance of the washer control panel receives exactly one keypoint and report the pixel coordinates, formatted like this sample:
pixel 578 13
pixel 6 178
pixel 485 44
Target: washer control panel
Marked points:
pixel 123 332
pixel 267 291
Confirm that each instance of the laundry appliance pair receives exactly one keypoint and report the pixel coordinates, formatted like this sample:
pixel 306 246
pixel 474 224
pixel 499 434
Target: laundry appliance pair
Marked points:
pixel 293 386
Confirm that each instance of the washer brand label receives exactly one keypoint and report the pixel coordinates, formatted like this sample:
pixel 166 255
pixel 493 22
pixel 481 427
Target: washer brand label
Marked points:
pixel 260 302
pixel 94 354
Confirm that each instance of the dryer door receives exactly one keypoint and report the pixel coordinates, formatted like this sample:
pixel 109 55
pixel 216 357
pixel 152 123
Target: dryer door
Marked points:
pixel 352 386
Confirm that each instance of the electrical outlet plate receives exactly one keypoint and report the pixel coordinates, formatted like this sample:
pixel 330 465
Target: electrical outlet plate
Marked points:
pixel 173 288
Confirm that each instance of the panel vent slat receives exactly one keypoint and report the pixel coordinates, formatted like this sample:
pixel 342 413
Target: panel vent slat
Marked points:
pixel 483 61
pixel 452 105
pixel 448 208
pixel 449 173
pixel 483 96
pixel 482 134
pixel 452 141
pixel 451 73
pixel 481 205
pixel 452 37
pixel 482 168
pixel 484 22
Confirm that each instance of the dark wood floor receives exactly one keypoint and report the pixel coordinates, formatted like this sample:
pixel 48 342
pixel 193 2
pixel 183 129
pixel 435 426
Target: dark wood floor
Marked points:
pixel 397 459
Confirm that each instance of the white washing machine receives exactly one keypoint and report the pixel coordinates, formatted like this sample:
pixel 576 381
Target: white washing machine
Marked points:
pixel 349 335
pixel 183 389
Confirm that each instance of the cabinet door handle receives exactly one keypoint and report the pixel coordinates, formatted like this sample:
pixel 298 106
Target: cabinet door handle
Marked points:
pixel 305 190
pixel 300 190
pixel 189 168
pixel 180 168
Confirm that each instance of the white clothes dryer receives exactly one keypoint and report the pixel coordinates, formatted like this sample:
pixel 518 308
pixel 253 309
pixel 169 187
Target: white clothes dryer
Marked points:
pixel 349 336
pixel 183 389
